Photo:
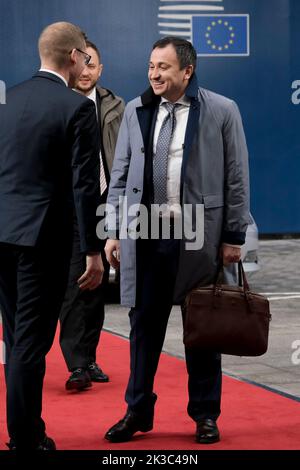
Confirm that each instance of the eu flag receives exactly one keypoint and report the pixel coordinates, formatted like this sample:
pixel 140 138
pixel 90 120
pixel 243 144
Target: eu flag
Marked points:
pixel 221 35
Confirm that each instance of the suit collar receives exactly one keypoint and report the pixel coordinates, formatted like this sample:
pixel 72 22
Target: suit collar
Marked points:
pixel 103 92
pixel 50 76
pixel 148 97
pixel 192 88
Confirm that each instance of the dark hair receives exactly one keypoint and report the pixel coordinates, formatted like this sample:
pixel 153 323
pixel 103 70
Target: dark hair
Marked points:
pixel 185 51
pixel 93 46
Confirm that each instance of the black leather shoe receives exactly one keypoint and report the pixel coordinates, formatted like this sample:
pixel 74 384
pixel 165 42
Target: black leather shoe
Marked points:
pixel 46 444
pixel 207 431
pixel 79 380
pixel 128 426
pixel 11 445
pixel 96 373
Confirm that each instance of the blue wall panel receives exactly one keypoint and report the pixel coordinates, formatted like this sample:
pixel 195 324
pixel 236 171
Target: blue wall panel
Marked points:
pixel 261 83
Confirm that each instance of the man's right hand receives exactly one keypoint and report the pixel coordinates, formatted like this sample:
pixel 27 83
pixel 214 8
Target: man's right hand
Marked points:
pixel 112 252
pixel 92 277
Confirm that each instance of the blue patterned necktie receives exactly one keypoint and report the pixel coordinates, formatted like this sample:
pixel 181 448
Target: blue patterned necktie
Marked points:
pixel 160 160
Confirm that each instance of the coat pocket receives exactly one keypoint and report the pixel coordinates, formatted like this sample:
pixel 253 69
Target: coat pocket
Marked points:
pixel 213 218
pixel 213 200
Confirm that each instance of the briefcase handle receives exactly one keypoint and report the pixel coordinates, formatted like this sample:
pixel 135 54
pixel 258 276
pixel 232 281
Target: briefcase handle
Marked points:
pixel 242 280
pixel 242 277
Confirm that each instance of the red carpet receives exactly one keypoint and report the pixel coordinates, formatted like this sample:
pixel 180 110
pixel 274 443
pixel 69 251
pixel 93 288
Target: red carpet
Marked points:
pixel 252 418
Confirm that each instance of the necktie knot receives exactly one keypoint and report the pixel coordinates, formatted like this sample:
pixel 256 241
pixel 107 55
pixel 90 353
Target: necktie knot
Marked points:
pixel 171 118
pixel 170 107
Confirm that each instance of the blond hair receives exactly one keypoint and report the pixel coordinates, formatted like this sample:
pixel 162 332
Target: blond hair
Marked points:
pixel 57 40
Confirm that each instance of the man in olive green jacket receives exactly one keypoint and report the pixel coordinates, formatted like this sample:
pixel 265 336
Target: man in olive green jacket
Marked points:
pixel 82 313
pixel 111 112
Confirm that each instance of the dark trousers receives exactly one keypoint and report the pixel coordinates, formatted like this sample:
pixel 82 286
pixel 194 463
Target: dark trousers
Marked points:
pixel 156 273
pixel 32 285
pixel 82 313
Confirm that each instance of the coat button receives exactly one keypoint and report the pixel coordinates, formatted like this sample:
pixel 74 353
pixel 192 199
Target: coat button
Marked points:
pixel 136 190
pixel 142 150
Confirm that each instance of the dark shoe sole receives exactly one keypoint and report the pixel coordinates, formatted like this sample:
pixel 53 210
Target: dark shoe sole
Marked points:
pixel 146 428
pixel 100 380
pixel 208 440
pixel 77 386
pixel 46 444
pixel 127 438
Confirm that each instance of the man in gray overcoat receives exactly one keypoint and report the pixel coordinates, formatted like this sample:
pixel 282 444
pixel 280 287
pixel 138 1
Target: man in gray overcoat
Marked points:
pixel 181 149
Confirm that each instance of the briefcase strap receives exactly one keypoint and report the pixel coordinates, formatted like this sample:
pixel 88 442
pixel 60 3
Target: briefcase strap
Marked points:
pixel 242 282
pixel 242 279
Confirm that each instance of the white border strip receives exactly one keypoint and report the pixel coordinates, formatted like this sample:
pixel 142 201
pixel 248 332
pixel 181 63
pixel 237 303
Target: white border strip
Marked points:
pixel 176 33
pixel 191 8
pixel 186 25
pixel 284 298
pixel 176 17
pixel 280 293
pixel 187 1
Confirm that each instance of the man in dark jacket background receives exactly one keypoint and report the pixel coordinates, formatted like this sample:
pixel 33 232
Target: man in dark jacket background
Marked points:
pixel 82 314
pixel 49 155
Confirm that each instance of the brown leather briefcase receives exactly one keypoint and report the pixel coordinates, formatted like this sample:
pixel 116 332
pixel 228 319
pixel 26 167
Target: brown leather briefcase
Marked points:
pixel 227 319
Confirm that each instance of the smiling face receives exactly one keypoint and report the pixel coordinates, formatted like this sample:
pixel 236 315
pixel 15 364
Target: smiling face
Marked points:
pixel 90 74
pixel 165 76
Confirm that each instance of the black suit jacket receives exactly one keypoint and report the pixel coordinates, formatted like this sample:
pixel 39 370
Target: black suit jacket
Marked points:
pixel 49 141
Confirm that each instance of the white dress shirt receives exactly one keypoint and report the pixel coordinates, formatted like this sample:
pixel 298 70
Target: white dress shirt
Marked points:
pixel 175 150
pixel 103 183
pixel 92 96
pixel 175 153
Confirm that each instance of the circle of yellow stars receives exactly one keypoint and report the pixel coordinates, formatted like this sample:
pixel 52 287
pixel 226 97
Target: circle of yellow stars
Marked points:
pixel 209 30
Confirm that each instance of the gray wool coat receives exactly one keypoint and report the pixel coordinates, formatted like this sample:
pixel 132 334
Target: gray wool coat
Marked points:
pixel 214 175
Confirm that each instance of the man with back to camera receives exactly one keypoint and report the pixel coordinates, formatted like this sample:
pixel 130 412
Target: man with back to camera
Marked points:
pixel 178 145
pixel 49 154
pixel 82 313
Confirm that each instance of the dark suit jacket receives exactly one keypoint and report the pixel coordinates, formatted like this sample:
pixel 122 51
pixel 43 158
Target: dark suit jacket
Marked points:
pixel 49 142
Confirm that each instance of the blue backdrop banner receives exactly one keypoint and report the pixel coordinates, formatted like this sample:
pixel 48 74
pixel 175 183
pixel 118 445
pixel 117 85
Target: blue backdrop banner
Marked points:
pixel 248 51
